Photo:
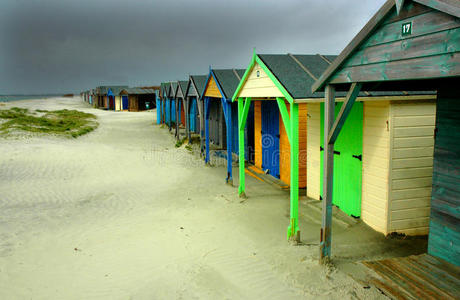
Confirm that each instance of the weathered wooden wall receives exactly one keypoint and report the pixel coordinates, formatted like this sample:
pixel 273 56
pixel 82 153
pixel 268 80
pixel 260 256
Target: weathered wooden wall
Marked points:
pixel 133 103
pixel 434 48
pixel 444 237
pixel 259 86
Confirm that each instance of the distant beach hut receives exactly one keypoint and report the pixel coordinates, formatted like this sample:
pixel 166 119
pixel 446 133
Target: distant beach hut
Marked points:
pixel 195 89
pixel 107 95
pixel 407 45
pixel 221 120
pixel 180 107
pixel 139 99
pixel 171 104
pixel 164 90
pixel 159 103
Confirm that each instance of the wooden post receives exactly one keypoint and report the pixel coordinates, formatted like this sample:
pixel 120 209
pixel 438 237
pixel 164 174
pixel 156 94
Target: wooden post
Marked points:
pixel 228 122
pixel 187 119
pixel 293 229
pixel 328 166
pixel 200 105
pixel 243 109
pixel 206 112
pixel 177 107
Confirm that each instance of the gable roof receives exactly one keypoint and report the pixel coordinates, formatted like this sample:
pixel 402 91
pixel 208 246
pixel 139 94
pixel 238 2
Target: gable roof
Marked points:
pixel 228 80
pixel 138 91
pixel 183 86
pixel 451 7
pixel 297 73
pixel 172 89
pixel 199 81
pixel 163 88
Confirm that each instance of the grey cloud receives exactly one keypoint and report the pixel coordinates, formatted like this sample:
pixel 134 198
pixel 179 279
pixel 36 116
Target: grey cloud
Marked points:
pixel 60 46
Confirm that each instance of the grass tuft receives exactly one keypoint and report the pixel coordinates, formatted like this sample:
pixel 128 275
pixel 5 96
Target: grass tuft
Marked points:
pixel 70 123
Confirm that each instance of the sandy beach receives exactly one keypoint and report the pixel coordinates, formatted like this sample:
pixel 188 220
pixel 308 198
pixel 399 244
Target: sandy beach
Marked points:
pixel 120 213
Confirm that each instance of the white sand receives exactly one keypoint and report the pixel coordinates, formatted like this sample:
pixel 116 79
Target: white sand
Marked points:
pixel 121 214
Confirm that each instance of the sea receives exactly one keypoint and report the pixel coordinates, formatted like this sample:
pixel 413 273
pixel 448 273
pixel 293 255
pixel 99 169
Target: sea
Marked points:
pixel 8 98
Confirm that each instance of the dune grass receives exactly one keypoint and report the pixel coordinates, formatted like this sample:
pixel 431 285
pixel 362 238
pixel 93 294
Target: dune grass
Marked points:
pixel 69 123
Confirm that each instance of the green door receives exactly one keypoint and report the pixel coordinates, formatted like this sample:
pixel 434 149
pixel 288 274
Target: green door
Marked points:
pixel 348 151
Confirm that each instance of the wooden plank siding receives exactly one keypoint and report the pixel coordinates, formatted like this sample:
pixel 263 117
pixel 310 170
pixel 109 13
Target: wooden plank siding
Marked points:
pixel 258 134
pixel 313 151
pixel 133 103
pixel 285 149
pixel 434 48
pixel 375 167
pixel 397 163
pixel 411 166
pixel 444 237
pixel 258 84
pixel 118 103
pixel 212 90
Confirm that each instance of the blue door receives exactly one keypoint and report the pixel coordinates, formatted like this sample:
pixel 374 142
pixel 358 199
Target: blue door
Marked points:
pixel 168 111
pixel 124 100
pixel 270 138
pixel 172 112
pixel 192 114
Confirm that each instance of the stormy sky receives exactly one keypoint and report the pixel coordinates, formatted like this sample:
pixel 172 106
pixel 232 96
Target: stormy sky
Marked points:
pixel 56 46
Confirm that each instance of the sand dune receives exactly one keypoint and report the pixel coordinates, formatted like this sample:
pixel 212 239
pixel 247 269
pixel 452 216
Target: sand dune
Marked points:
pixel 122 214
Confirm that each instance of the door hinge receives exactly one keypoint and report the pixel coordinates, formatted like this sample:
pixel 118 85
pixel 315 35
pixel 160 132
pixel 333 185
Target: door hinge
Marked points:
pixel 278 136
pixel 321 148
pixel 360 157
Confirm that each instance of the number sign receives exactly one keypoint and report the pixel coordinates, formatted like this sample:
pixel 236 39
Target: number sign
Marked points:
pixel 406 29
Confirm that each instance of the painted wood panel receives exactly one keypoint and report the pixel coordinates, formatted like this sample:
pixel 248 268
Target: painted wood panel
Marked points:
pixel 117 102
pixel 444 237
pixel 313 151
pixel 431 50
pixel 285 149
pixel 376 161
pixel 212 90
pixel 258 84
pixel 258 134
pixel 411 166
pixel 285 152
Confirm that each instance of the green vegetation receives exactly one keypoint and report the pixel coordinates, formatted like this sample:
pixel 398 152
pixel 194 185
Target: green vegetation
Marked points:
pixel 69 123
pixel 180 142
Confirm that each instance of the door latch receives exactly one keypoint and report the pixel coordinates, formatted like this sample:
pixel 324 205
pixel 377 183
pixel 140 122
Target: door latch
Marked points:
pixel 360 157
pixel 337 152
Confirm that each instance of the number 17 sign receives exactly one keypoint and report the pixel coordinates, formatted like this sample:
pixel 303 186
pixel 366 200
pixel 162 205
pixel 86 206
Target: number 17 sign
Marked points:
pixel 406 29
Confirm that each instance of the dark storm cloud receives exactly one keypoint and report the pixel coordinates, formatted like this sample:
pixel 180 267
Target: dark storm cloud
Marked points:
pixel 58 46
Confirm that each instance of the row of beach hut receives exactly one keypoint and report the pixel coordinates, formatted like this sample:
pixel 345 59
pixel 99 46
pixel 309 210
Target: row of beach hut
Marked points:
pixel 122 97
pixel 373 131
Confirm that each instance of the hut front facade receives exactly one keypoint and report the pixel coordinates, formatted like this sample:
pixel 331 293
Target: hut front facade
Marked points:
pixel 221 119
pixel 391 53
pixel 274 84
pixel 180 107
pixel 171 104
pixel 195 89
pixel 138 99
